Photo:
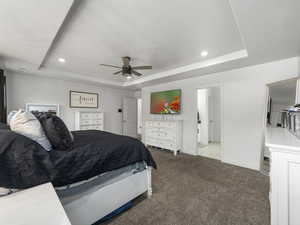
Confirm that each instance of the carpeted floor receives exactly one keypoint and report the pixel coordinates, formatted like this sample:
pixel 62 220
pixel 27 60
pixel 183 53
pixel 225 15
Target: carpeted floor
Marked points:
pixel 191 190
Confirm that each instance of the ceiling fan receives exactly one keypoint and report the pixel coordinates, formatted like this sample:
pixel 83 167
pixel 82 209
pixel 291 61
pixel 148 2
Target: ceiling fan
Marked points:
pixel 127 70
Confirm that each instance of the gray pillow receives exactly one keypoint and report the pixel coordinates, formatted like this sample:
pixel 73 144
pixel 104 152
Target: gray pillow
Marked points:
pixel 27 124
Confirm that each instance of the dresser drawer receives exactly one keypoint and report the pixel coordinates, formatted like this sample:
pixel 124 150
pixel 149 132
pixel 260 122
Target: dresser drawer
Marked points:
pixel 164 134
pixel 91 115
pixel 168 145
pixel 98 127
pixel 86 128
pixel 92 127
pixel 150 141
pixel 98 115
pixel 97 121
pixel 86 116
pixel 87 122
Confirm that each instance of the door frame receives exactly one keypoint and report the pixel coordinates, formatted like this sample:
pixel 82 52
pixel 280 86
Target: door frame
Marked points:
pixel 265 112
pixel 206 86
pixel 139 116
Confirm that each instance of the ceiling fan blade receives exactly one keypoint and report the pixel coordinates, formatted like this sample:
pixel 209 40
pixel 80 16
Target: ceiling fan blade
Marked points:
pixel 136 73
pixel 126 60
pixel 142 67
pixel 110 66
pixel 118 72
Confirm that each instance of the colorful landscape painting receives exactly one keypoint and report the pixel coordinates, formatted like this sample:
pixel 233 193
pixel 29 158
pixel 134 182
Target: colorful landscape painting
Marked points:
pixel 166 102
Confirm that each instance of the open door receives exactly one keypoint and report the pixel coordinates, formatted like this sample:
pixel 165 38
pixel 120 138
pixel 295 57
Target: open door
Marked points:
pixel 214 115
pixel 130 117
pixel 209 122
pixel 203 117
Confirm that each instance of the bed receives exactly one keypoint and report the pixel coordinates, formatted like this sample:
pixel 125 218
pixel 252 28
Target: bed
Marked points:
pixel 78 173
pixel 86 203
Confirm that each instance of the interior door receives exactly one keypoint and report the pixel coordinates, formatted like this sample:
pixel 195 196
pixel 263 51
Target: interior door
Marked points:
pixel 130 117
pixel 211 119
pixel 203 116
pixel 214 112
pixel 139 116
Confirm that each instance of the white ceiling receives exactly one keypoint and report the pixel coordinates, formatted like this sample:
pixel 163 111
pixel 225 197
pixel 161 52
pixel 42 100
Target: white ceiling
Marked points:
pixel 169 35
pixel 28 28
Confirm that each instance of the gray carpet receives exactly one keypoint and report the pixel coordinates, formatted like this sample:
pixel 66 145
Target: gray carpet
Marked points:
pixel 191 190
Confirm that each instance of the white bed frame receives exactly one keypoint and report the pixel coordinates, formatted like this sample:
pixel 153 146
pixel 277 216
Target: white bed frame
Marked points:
pixel 94 205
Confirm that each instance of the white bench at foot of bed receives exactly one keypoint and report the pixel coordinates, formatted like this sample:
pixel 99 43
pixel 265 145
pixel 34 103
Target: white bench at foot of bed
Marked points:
pixel 96 204
pixel 34 206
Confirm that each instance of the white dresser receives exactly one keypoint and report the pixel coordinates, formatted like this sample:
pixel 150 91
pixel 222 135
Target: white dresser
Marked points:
pixel 284 176
pixel 164 134
pixel 89 120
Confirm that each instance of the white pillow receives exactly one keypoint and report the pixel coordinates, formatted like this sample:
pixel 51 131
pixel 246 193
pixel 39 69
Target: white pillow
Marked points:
pixel 27 124
pixel 10 115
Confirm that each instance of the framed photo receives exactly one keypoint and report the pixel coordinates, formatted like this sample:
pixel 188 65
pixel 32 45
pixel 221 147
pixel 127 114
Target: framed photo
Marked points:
pixel 84 100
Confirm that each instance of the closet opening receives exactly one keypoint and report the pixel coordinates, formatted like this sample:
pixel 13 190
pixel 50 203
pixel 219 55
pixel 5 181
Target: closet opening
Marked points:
pixel 281 96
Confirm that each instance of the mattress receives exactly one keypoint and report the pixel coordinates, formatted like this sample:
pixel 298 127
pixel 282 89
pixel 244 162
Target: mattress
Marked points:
pixel 74 191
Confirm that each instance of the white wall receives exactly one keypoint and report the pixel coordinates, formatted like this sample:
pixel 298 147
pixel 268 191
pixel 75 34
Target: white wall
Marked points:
pixel 243 94
pixel 24 89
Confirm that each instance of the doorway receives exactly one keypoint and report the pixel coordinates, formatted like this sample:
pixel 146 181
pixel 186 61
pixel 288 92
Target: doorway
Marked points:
pixel 209 122
pixel 280 96
pixel 129 120
pixel 139 118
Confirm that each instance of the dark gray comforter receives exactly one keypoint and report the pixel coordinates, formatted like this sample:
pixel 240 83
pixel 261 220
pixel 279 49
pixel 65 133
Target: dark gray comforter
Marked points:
pixel 24 163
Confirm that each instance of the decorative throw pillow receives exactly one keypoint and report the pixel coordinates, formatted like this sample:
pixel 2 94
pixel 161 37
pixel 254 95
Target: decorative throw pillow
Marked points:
pixel 56 131
pixel 27 124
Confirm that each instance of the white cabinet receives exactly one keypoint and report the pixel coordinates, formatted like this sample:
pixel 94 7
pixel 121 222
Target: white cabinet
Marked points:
pixel 284 176
pixel 89 120
pixel 164 134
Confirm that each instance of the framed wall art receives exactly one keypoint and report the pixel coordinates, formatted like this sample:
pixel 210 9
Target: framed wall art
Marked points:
pixel 84 100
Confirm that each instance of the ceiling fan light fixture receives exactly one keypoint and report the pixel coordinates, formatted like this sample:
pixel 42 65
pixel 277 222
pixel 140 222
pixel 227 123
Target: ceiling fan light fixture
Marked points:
pixel 61 60
pixel 204 53
pixel 126 70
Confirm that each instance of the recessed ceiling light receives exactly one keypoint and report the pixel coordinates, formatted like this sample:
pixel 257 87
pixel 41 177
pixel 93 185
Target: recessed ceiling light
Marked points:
pixel 128 76
pixel 204 53
pixel 61 60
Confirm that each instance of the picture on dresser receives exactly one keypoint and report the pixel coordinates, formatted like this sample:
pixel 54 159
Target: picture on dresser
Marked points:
pixel 166 102
pixel 84 100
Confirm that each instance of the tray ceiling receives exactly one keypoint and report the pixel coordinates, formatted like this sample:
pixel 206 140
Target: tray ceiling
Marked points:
pixel 169 35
